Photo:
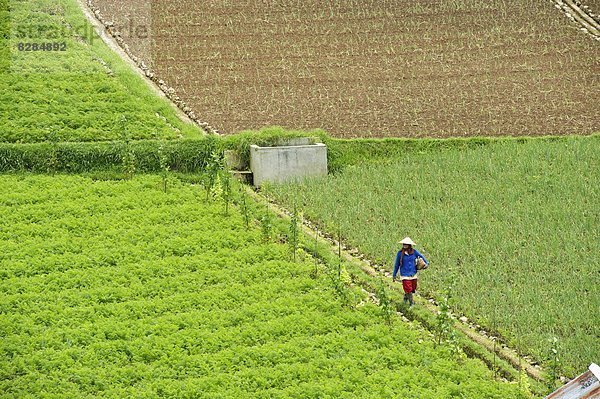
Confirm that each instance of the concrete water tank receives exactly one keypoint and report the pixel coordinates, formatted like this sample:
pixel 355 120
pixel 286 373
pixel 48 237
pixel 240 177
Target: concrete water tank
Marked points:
pixel 285 163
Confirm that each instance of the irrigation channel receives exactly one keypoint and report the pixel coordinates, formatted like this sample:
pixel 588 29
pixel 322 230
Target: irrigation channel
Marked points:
pixel 351 255
pixel 580 15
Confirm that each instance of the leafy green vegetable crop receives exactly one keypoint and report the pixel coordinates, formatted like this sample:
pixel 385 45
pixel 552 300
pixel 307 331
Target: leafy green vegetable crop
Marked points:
pixel 79 94
pixel 518 221
pixel 117 289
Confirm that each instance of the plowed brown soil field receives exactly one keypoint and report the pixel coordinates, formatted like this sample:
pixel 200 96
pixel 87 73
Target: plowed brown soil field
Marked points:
pixel 371 67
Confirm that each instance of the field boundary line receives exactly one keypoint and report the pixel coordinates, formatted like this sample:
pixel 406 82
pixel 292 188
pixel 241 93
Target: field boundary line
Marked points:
pixel 579 16
pixel 583 14
pixel 502 351
pixel 116 43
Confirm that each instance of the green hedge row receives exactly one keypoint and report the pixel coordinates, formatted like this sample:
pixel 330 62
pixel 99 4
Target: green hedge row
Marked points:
pixel 344 152
pixel 186 155
pixel 191 155
pixel 181 155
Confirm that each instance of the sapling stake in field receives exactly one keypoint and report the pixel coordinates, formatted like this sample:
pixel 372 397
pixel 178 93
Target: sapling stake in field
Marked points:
pixel 517 221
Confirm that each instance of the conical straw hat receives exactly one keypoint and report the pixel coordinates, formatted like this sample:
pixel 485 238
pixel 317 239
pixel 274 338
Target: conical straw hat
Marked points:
pixel 408 241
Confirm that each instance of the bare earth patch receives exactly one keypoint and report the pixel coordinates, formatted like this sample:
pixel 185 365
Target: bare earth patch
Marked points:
pixel 398 68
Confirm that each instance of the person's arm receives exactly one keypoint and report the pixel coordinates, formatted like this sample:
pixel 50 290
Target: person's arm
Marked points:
pixel 396 266
pixel 421 256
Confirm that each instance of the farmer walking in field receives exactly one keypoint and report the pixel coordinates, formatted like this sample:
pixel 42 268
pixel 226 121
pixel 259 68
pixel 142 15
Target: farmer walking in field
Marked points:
pixel 409 261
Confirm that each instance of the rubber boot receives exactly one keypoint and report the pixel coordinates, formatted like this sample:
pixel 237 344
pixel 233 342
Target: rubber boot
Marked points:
pixel 406 298
pixel 410 299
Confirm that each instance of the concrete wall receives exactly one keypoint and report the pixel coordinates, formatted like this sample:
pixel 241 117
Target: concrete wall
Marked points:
pixel 281 164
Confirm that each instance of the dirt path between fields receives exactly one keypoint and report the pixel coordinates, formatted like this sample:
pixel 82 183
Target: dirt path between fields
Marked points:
pixel 115 42
pixel 579 15
pixel 473 332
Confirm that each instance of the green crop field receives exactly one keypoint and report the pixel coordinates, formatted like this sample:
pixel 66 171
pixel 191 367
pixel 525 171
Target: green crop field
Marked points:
pixel 116 289
pixel 511 226
pixel 136 268
pixel 75 90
